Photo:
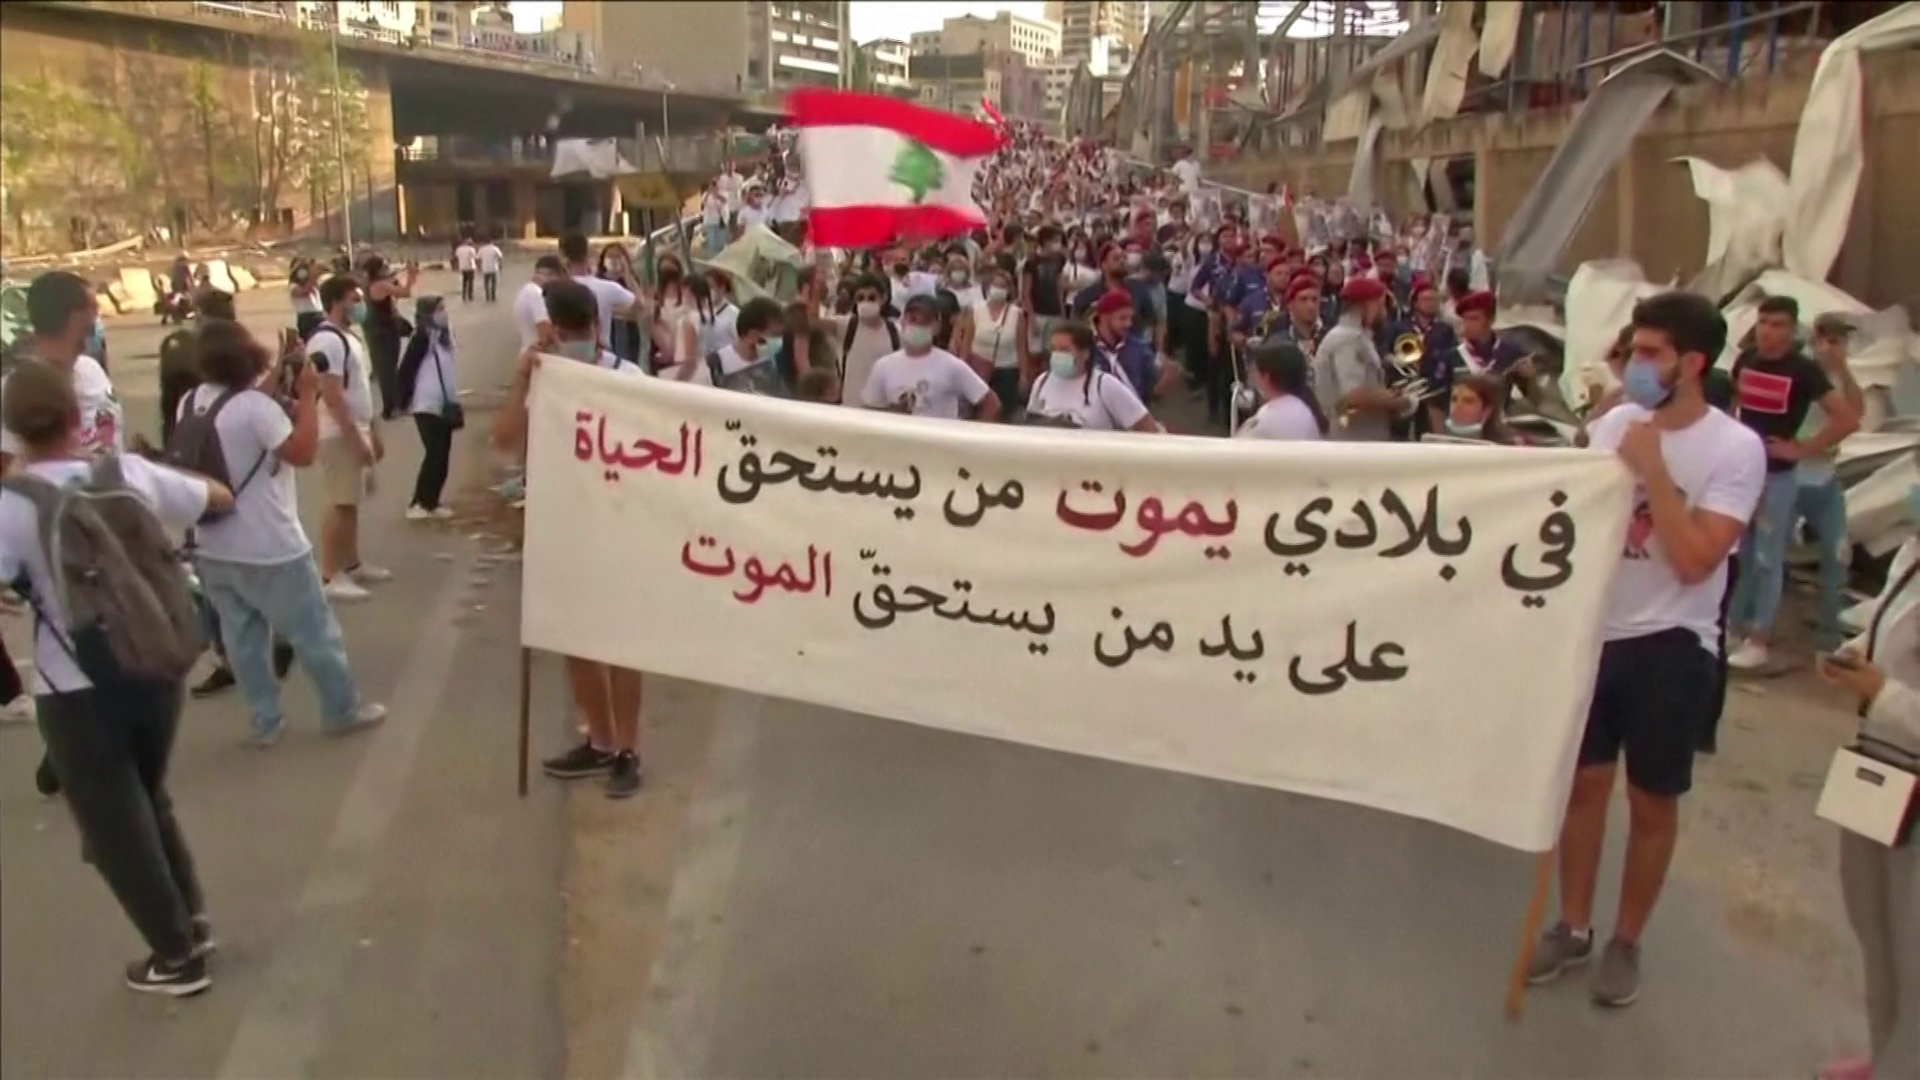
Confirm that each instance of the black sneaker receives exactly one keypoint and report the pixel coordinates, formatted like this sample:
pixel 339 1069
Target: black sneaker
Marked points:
pixel 582 760
pixel 282 658
pixel 204 943
pixel 44 780
pixel 218 680
pixel 623 782
pixel 183 978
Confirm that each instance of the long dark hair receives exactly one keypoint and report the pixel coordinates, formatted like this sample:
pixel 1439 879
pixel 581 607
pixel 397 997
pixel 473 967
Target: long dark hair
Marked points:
pixel 1286 367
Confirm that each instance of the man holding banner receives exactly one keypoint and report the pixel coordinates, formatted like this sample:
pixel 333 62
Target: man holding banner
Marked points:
pixel 1699 473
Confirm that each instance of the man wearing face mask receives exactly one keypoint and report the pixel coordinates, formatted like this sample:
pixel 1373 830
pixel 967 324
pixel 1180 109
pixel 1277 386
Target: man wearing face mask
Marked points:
pixel 867 336
pixel 349 442
pixel 64 315
pixel 1700 474
pixel 1115 278
pixel 921 380
pixel 745 363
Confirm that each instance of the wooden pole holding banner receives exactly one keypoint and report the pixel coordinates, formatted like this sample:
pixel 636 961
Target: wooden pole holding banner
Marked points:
pixel 526 714
pixel 1529 930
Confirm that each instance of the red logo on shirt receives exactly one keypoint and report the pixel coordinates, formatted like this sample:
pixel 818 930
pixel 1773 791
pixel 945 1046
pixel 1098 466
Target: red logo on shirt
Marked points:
pixel 1765 392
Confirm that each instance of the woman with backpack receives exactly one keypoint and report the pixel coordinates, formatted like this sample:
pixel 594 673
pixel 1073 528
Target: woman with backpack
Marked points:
pixel 1074 392
pixel 114 635
pixel 427 383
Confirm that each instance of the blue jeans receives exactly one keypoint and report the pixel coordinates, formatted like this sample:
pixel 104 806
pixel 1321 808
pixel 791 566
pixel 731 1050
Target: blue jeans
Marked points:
pixel 1763 559
pixel 254 600
pixel 1823 507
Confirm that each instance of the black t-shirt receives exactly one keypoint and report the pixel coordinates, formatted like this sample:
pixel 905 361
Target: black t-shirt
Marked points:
pixel 1772 397
pixel 1043 272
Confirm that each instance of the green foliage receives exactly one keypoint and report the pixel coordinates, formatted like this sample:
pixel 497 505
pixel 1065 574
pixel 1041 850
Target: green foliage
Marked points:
pixel 227 140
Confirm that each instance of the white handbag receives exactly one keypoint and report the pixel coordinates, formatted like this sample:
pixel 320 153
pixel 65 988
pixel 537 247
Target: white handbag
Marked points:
pixel 1872 785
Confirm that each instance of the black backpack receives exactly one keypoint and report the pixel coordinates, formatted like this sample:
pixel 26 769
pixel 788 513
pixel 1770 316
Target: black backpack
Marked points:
pixel 761 377
pixel 194 445
pixel 346 376
pixel 853 328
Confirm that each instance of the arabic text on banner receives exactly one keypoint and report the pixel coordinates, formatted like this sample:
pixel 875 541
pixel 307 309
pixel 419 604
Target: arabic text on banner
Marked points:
pixel 1412 628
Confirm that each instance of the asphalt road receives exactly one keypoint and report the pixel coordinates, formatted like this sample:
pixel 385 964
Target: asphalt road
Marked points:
pixel 808 893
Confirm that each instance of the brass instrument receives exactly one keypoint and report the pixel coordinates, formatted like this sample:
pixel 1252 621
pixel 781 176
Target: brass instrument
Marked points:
pixel 1408 350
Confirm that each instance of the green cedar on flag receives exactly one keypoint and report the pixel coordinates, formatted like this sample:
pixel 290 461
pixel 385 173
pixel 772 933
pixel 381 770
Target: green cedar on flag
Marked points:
pixel 880 170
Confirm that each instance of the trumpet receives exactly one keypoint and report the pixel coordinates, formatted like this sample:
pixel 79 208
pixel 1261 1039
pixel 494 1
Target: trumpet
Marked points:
pixel 1408 351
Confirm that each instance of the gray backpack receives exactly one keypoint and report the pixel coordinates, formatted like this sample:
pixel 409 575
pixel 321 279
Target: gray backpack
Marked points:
pixel 128 603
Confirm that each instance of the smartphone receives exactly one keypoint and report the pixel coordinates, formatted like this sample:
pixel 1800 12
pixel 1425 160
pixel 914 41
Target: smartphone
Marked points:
pixel 1845 661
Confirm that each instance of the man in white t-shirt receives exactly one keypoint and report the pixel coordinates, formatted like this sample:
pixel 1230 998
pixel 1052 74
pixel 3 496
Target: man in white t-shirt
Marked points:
pixel 612 297
pixel 756 338
pixel 755 210
pixel 713 220
pixel 62 313
pixel 530 303
pixel 865 337
pixel 1700 473
pixel 1187 171
pixel 920 380
pixel 256 564
pixel 349 442
pixel 490 259
pixel 466 258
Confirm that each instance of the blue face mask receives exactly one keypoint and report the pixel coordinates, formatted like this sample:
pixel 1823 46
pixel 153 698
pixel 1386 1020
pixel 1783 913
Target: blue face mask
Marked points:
pixel 1061 365
pixel 97 341
pixel 1644 386
pixel 586 352
pixel 358 313
pixel 1464 431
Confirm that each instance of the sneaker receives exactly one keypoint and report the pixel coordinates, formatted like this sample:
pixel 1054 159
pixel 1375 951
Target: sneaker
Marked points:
pixel 204 943
pixel 18 711
pixel 1750 656
pixel 182 978
pixel 282 658
pixel 581 761
pixel 1617 983
pixel 265 738
pixel 368 574
pixel 623 781
pixel 217 680
pixel 416 512
pixel 343 588
pixel 364 716
pixel 1559 949
pixel 442 513
pixel 44 780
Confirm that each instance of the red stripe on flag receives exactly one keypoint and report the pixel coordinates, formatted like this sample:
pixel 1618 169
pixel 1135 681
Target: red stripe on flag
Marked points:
pixel 955 136
pixel 878 226
pixel 993 114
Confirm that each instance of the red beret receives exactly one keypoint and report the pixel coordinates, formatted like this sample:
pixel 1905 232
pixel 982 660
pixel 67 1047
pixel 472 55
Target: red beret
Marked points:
pixel 1113 300
pixel 1481 302
pixel 1420 283
pixel 1361 262
pixel 1359 290
pixel 1273 261
pixel 1301 283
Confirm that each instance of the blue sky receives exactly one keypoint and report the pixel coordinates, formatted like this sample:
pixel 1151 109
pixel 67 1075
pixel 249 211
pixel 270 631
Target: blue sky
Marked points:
pixel 871 18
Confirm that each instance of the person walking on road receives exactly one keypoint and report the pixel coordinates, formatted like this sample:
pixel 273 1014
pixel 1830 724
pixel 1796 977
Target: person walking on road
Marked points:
pixel 109 736
pixel 427 377
pixel 490 259
pixel 467 258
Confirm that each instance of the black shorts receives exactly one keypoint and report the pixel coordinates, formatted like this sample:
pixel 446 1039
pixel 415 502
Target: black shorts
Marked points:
pixel 1649 698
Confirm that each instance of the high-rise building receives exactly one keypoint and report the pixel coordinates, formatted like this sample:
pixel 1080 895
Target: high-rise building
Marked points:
pixel 1037 41
pixel 719 46
pixel 1121 22
pixel 886 62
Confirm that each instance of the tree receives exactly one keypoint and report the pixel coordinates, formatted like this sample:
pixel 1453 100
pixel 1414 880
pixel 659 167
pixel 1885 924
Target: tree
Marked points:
pixel 63 158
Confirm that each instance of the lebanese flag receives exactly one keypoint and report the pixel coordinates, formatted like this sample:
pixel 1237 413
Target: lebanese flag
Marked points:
pixel 881 170
pixel 993 114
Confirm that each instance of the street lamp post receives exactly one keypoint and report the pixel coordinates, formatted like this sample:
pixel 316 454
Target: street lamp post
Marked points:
pixel 340 137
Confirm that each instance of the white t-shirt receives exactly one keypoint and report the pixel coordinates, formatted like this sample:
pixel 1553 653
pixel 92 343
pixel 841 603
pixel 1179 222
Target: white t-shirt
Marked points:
pixel 490 259
pixel 935 384
pixel 916 283
pixel 731 363
pixel 264 528
pixel 609 296
pixel 610 362
pixel 967 295
pixel 529 311
pixel 466 257
pixel 102 421
pixel 751 214
pixel 347 358
pixel 1105 404
pixel 436 383
pixel 1281 418
pixel 713 209
pixel 719 332
pixel 177 499
pixel 1188 170
pixel 1720 466
pixel 305 302
pixel 870 343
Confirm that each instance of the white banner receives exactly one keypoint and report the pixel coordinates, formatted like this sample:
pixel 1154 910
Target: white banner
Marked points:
pixel 1413 628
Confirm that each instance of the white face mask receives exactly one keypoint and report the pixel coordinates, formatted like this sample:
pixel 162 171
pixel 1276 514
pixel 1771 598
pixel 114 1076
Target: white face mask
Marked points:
pixel 868 310
pixel 916 337
pixel 997 294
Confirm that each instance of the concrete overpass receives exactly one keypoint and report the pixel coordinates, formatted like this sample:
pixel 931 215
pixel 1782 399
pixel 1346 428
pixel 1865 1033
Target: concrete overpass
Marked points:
pixel 466 131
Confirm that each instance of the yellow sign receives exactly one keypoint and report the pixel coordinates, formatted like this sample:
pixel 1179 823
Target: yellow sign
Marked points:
pixel 648 191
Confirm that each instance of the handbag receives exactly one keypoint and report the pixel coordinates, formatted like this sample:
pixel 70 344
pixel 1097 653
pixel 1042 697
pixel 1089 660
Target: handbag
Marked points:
pixel 454 413
pixel 1872 785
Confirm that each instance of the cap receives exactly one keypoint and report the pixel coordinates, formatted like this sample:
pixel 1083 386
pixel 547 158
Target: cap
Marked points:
pixel 1359 290
pixel 1301 283
pixel 921 304
pixel 1272 262
pixel 1481 302
pixel 1111 301
pixel 1834 326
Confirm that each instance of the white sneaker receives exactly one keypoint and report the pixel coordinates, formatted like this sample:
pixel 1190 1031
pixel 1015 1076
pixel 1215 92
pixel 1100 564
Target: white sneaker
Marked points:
pixel 369 574
pixel 1750 656
pixel 365 715
pixel 18 711
pixel 441 513
pixel 416 512
pixel 343 588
